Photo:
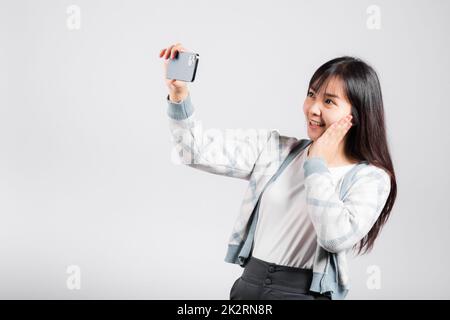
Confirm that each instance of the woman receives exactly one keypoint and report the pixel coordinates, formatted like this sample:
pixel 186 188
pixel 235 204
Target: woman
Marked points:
pixel 309 201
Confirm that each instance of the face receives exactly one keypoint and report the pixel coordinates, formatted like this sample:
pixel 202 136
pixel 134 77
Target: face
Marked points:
pixel 326 106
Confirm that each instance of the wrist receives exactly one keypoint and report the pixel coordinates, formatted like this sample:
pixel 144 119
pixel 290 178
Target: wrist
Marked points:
pixel 178 95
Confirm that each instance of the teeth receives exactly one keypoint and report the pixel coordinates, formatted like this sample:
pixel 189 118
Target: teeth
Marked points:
pixel 315 122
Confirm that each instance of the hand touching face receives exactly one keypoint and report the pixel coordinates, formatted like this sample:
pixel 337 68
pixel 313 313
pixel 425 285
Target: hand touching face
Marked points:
pixel 326 146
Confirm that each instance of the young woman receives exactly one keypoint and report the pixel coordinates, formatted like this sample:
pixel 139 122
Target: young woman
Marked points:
pixel 309 201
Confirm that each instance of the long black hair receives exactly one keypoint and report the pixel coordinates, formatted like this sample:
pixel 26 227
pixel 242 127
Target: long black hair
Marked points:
pixel 366 139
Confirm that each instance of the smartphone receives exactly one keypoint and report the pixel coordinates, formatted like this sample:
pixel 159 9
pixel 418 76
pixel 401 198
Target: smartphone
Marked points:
pixel 183 67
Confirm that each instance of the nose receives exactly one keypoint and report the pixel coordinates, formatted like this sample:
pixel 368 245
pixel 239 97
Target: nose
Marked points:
pixel 314 109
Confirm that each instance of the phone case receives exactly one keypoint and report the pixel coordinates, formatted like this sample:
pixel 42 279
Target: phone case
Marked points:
pixel 183 67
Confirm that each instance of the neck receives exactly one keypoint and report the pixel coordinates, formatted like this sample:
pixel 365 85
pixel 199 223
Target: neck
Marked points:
pixel 340 159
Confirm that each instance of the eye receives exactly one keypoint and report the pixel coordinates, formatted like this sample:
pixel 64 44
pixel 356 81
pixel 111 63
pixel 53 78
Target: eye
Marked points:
pixel 310 94
pixel 329 101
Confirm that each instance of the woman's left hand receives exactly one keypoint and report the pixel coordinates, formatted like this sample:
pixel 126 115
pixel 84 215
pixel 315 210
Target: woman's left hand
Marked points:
pixel 326 146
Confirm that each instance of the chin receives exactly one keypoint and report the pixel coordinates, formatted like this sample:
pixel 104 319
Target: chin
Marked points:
pixel 313 136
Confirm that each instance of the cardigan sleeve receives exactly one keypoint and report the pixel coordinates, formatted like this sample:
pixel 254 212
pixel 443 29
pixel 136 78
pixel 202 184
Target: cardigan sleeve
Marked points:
pixel 230 152
pixel 340 224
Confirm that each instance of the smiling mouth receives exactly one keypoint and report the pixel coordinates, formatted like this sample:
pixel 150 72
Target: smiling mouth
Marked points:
pixel 313 123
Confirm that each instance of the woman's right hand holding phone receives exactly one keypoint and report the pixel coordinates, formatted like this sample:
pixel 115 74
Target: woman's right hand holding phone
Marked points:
pixel 178 89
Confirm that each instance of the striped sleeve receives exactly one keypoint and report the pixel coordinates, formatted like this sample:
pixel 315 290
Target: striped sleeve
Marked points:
pixel 340 224
pixel 230 152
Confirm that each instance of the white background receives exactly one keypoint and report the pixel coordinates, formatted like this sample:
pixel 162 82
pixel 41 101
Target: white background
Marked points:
pixel 86 176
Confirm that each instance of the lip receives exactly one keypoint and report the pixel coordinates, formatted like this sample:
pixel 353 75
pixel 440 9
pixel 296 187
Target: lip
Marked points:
pixel 313 126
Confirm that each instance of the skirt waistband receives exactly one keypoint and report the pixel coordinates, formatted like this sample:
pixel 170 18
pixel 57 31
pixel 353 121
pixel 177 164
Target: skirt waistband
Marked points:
pixel 265 273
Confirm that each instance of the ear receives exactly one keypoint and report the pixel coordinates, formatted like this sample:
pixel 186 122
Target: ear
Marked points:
pixel 355 115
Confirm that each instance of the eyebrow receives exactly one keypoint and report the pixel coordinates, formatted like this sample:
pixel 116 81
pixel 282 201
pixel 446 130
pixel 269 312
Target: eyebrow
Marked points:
pixel 327 94
pixel 331 95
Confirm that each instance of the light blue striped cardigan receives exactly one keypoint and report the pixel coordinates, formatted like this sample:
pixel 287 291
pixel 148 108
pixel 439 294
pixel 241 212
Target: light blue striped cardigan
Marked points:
pixel 341 214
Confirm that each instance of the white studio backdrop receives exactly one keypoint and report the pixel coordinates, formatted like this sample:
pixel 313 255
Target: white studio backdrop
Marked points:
pixel 92 205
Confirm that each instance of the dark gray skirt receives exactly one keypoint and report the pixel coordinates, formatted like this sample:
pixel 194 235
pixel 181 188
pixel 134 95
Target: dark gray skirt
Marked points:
pixel 263 280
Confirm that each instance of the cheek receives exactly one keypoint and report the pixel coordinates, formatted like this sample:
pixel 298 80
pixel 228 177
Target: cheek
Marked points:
pixel 332 120
pixel 332 117
pixel 305 108
pixel 307 105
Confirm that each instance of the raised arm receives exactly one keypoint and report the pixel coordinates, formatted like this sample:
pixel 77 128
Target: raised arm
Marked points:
pixel 230 152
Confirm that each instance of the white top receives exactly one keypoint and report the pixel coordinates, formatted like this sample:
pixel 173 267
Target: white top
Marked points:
pixel 284 233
